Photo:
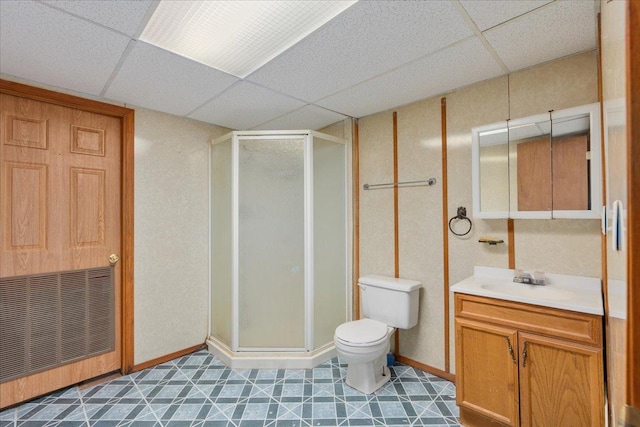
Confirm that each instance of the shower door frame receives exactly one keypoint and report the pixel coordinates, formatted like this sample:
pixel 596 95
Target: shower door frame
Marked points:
pixel 308 137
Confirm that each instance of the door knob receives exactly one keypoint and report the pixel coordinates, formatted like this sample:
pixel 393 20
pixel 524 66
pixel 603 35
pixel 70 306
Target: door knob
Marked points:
pixel 113 259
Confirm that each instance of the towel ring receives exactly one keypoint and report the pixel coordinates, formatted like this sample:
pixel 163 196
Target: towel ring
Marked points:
pixel 462 215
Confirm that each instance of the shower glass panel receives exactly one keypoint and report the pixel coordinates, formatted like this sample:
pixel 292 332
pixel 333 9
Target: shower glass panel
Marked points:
pixel 221 241
pixel 279 268
pixel 329 238
pixel 271 273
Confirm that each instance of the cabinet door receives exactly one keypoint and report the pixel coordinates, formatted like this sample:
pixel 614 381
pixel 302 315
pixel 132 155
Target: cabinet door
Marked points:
pixel 560 383
pixel 487 370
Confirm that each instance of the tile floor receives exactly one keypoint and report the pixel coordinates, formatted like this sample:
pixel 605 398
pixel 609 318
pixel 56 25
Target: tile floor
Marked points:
pixel 198 390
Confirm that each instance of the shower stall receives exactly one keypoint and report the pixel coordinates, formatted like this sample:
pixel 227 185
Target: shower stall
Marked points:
pixel 279 263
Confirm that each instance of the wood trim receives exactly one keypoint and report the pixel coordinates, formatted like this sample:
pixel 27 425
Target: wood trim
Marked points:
pixel 71 101
pixel 396 218
pixel 426 368
pixel 603 166
pixel 167 357
pixel 445 234
pixel 127 119
pixel 128 159
pixel 633 208
pixel 355 162
pixel 396 226
pixel 511 243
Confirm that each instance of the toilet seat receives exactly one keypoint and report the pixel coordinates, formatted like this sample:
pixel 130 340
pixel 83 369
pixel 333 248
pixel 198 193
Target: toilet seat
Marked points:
pixel 362 333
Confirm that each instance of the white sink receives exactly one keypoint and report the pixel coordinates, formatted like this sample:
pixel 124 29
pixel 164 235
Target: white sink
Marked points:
pixel 530 291
pixel 575 293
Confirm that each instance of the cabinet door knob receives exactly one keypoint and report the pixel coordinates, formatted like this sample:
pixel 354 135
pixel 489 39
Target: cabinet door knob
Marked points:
pixel 524 355
pixel 513 356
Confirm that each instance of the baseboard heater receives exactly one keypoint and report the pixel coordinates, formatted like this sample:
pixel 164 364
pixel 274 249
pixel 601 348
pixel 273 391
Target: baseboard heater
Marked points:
pixel 49 320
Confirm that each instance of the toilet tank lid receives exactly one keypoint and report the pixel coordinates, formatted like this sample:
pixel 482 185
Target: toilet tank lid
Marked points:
pixel 404 285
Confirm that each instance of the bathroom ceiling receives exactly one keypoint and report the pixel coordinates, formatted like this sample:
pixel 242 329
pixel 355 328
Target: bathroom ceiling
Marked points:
pixel 374 56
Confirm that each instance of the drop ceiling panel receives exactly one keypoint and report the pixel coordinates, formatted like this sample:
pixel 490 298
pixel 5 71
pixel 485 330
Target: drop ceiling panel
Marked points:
pixel 307 117
pixel 236 37
pixel 553 31
pixel 121 15
pixel 460 65
pixel 244 106
pixel 366 40
pixel 44 45
pixel 154 78
pixel 489 13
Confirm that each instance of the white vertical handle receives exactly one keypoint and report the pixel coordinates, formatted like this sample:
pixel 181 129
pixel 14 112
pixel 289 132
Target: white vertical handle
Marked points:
pixel 617 226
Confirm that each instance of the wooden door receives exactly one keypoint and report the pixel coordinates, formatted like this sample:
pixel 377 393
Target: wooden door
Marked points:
pixel 61 212
pixel 561 383
pixel 487 371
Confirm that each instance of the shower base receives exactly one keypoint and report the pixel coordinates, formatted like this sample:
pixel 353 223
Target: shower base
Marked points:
pixel 270 360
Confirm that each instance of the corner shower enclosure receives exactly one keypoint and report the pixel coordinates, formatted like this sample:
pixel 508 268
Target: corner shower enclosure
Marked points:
pixel 278 247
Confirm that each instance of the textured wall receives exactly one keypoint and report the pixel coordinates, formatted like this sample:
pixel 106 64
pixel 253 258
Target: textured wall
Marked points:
pixel 558 246
pixel 476 105
pixel 171 233
pixel 420 229
pixel 376 206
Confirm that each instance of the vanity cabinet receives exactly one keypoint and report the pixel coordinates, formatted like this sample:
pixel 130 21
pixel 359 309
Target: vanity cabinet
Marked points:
pixel 524 365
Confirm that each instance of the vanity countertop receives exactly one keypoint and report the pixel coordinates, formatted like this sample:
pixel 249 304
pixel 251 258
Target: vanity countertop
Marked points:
pixel 574 293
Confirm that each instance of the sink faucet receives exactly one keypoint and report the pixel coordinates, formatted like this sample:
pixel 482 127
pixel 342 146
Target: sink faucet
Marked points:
pixel 537 278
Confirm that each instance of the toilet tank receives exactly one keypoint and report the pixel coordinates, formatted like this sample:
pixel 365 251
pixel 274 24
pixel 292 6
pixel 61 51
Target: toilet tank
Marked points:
pixel 390 300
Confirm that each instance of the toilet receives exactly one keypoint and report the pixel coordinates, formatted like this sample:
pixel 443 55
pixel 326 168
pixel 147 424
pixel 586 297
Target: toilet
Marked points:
pixel 386 303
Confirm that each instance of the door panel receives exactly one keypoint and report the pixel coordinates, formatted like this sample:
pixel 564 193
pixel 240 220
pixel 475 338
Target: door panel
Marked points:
pixel 560 383
pixel 486 370
pixel 61 170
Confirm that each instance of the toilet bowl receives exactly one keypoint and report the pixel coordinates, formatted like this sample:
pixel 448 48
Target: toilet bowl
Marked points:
pixel 364 345
pixel 386 303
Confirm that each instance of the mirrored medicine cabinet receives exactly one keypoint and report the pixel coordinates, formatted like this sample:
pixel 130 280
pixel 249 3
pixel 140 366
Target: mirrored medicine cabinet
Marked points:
pixel 543 166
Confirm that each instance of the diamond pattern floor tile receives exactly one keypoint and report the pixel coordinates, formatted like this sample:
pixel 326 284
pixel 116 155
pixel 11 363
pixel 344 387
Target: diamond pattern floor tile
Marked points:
pixel 197 390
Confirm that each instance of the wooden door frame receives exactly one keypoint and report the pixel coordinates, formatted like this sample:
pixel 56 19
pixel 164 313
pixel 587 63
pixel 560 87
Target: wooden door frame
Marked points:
pixel 633 204
pixel 126 116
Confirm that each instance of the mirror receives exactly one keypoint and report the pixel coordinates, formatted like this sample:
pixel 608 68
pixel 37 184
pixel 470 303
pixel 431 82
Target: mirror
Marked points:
pixel 577 174
pixel 490 151
pixel 543 166
pixel 530 190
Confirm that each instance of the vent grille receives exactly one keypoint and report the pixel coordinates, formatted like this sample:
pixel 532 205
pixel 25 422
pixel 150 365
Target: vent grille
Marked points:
pixel 49 320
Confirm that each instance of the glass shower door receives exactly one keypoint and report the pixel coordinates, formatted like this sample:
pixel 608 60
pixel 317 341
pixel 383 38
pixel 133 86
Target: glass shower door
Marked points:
pixel 329 239
pixel 271 251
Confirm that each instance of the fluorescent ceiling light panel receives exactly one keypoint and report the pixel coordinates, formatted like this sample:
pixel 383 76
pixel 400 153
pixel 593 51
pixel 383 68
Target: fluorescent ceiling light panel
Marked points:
pixel 237 37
